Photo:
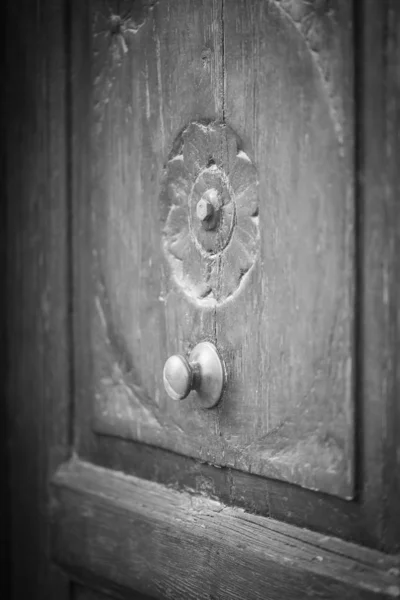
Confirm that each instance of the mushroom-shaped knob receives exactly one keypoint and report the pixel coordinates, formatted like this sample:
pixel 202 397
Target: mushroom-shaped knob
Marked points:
pixel 202 373
pixel 178 377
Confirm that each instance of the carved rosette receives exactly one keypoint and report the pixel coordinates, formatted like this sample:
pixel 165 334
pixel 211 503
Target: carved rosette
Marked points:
pixel 210 198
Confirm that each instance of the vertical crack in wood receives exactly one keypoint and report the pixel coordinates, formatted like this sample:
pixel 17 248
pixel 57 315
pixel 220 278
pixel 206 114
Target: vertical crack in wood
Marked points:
pixel 70 223
pixel 223 77
pixel 223 89
pixel 160 88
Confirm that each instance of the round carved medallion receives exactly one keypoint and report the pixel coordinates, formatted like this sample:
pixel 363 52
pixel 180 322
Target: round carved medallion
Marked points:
pixel 210 197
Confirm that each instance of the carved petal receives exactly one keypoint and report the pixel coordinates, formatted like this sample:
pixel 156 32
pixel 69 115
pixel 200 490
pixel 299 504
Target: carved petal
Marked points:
pixel 177 221
pixel 178 182
pixel 236 261
pixel 181 244
pixel 229 250
pixel 244 184
pixel 196 151
pixel 195 272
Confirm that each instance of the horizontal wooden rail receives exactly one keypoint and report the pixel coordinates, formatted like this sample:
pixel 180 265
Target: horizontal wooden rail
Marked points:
pixel 134 534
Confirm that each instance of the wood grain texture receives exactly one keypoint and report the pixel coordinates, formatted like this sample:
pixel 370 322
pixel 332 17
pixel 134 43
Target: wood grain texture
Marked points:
pixel 392 189
pixel 138 534
pixel 379 216
pixel 291 348
pixel 142 100
pixel 289 353
pixel 37 383
pixel 372 519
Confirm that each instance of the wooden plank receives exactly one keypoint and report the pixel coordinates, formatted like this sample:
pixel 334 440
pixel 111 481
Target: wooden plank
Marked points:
pixel 392 189
pixel 81 275
pixel 379 225
pixel 289 96
pixel 138 97
pixel 37 384
pixel 263 496
pixel 142 100
pixel 140 535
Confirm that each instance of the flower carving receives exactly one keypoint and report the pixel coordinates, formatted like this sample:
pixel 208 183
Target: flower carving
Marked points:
pixel 209 201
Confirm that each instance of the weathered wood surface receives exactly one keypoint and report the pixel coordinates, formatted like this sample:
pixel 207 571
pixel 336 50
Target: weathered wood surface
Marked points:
pixel 142 99
pixel 275 291
pixel 140 535
pixel 35 287
pixel 289 95
pixel 373 519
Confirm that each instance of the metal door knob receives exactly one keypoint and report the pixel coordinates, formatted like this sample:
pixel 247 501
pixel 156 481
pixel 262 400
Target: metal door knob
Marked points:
pixel 202 372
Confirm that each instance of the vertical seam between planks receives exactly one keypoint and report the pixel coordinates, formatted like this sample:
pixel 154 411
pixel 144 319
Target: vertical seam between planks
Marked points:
pixel 358 211
pixel 68 12
pixel 223 58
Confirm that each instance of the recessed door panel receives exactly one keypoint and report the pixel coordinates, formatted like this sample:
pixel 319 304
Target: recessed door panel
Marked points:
pixel 222 211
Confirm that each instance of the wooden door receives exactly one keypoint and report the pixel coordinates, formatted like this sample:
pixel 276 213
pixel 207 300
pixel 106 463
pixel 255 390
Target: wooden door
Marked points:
pixel 279 117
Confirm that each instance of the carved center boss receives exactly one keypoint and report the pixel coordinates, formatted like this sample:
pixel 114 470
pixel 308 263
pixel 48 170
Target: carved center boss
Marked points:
pixel 211 236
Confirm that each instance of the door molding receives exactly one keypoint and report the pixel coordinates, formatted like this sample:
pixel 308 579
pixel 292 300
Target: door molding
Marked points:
pixel 129 533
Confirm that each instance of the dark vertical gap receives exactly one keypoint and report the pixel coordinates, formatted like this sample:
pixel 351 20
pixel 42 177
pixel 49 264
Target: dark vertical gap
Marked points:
pixel 386 182
pixel 394 114
pixel 359 165
pixel 223 57
pixel 68 30
pixel 219 259
pixel 255 67
pixel 222 116
pixel 5 462
pixel 389 317
pixel 391 139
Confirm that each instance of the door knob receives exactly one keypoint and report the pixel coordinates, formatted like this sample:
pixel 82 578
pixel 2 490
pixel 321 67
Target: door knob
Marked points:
pixel 202 372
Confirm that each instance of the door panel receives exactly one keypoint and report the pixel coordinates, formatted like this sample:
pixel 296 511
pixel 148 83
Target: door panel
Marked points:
pixel 244 100
pixel 288 70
